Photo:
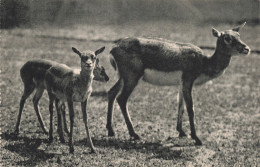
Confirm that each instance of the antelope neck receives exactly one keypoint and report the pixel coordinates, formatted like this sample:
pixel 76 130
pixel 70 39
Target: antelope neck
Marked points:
pixel 218 62
pixel 86 75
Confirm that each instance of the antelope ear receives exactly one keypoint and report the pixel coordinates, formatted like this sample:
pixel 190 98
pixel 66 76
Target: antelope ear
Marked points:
pixel 76 51
pixel 97 61
pixel 215 32
pixel 99 50
pixel 239 27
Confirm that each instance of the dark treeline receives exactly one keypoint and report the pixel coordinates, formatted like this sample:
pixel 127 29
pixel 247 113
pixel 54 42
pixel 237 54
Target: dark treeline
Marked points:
pixel 36 12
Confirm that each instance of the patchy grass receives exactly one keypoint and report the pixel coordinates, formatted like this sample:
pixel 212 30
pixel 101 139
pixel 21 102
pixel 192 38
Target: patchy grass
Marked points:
pixel 227 111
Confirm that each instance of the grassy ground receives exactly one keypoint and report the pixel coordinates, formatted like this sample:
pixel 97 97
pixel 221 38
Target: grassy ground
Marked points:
pixel 227 111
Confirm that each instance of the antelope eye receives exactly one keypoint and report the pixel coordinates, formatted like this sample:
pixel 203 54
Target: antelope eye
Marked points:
pixel 84 59
pixel 93 57
pixel 228 39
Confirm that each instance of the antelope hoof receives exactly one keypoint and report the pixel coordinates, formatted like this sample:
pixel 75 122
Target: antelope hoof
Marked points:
pixel 111 133
pixel 93 151
pixel 62 140
pixel 182 134
pixel 198 142
pixel 50 139
pixel 14 135
pixel 45 132
pixel 71 150
pixel 66 130
pixel 135 136
pixel 16 132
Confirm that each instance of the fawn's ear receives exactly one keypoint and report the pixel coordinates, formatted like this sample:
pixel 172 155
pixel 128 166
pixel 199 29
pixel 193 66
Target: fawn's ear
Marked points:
pixel 76 51
pixel 99 50
pixel 216 33
pixel 97 61
pixel 239 27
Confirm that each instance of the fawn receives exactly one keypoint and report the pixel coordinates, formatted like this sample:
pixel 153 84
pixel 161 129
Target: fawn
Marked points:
pixel 33 74
pixel 64 85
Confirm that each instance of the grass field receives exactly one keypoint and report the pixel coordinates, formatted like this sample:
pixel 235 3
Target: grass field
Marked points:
pixel 227 111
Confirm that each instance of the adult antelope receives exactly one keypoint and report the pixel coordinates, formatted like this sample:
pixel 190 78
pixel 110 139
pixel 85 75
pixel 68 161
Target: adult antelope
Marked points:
pixel 63 85
pixel 162 62
pixel 32 74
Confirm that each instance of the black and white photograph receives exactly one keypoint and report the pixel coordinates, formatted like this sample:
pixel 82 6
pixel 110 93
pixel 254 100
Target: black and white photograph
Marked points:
pixel 130 83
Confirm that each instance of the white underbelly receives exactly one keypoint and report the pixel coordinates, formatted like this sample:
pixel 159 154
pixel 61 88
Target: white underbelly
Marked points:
pixel 162 78
pixel 201 79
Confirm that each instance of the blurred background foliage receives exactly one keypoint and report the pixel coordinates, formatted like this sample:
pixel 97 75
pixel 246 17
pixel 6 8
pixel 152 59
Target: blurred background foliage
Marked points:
pixel 29 13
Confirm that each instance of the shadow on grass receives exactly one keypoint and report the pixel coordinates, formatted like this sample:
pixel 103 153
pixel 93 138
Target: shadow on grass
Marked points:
pixel 27 148
pixel 156 148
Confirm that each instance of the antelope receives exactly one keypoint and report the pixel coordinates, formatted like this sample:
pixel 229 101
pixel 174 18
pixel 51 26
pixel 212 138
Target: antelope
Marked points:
pixel 33 74
pixel 165 63
pixel 64 85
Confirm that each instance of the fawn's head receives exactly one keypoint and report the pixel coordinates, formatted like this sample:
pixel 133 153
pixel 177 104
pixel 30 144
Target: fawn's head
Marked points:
pixel 88 58
pixel 230 41
pixel 100 73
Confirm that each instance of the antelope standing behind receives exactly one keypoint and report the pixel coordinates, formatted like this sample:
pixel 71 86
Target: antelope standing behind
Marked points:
pixel 63 85
pixel 163 62
pixel 32 74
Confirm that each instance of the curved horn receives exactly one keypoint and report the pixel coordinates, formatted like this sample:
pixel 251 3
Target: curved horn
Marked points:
pixel 239 27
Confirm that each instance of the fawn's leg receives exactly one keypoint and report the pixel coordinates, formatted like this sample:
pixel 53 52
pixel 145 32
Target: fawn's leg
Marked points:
pixel 63 111
pixel 28 89
pixel 51 100
pixel 180 113
pixel 59 129
pixel 85 119
pixel 36 99
pixel 71 113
